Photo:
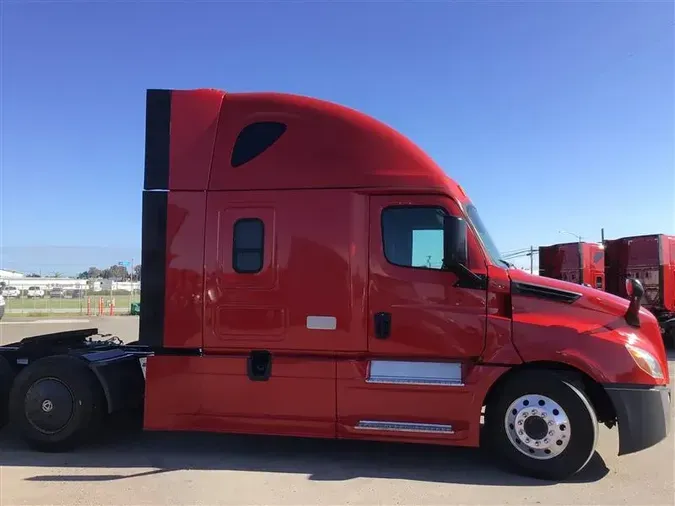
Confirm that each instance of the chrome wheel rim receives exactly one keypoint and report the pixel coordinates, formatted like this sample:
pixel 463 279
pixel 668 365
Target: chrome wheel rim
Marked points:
pixel 537 426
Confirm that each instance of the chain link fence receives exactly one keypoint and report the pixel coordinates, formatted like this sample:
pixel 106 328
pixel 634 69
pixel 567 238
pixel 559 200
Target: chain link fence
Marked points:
pixel 71 302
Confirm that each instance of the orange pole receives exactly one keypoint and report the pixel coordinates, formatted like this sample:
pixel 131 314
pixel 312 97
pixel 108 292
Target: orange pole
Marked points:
pixel 112 307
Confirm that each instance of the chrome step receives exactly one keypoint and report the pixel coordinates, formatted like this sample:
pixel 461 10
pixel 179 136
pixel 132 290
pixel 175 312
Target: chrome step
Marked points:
pixel 434 428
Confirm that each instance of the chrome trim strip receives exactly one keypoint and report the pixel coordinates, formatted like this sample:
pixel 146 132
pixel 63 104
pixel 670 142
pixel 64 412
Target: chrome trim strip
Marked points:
pixel 423 382
pixel 433 428
pixel 400 372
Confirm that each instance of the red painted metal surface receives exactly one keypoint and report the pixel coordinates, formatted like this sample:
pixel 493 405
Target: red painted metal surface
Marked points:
pixel 214 394
pixel 499 348
pixel 320 190
pixel 184 270
pixel 194 121
pixel 459 406
pixel 649 258
pixel 325 146
pixel 315 264
pixel 425 305
pixel 576 262
pixel 589 335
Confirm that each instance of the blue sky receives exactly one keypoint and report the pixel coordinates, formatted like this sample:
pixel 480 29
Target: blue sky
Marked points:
pixel 552 115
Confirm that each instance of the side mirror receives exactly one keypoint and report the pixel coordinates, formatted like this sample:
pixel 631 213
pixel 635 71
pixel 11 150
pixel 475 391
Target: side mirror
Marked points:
pixel 635 291
pixel 455 248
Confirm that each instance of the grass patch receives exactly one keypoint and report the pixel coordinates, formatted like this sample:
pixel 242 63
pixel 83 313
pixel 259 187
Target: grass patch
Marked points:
pixel 42 314
pixel 48 305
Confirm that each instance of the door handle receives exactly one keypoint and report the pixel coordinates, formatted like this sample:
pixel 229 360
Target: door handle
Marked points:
pixel 382 325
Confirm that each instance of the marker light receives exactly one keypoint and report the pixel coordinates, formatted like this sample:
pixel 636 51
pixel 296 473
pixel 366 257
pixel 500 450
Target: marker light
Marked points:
pixel 646 361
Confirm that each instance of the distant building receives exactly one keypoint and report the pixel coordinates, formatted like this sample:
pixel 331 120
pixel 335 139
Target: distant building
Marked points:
pixel 46 283
pixel 7 274
pixel 20 281
pixel 109 284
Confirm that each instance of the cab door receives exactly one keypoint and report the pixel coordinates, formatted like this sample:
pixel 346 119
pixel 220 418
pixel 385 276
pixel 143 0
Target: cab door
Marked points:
pixel 415 307
pixel 425 327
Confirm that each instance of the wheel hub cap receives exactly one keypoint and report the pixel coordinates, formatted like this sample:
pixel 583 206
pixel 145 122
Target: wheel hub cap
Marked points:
pixel 537 426
pixel 49 405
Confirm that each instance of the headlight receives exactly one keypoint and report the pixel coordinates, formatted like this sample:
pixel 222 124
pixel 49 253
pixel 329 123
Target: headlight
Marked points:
pixel 646 361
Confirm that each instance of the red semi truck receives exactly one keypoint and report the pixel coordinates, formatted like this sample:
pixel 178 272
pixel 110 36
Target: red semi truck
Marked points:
pixel 650 259
pixel 576 262
pixel 309 271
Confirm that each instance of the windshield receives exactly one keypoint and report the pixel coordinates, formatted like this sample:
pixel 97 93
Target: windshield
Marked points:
pixel 490 246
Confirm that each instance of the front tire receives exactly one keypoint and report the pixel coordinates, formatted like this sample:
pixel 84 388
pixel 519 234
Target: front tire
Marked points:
pixel 543 425
pixel 56 403
pixel 669 338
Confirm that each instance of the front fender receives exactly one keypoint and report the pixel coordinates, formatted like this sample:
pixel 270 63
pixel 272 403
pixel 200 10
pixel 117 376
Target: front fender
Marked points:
pixel 594 349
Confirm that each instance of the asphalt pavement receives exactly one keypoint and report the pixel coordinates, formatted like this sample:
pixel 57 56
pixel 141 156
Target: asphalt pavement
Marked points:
pixel 159 469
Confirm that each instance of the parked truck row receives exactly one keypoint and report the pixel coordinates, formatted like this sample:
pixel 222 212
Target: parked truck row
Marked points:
pixel 309 271
pixel 606 266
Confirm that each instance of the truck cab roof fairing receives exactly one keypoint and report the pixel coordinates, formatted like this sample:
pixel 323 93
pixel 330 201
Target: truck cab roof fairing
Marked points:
pixel 321 145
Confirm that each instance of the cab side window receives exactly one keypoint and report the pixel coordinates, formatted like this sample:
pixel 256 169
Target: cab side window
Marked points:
pixel 248 245
pixel 413 236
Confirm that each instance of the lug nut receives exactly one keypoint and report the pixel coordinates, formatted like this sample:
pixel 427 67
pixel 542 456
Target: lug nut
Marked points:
pixel 521 432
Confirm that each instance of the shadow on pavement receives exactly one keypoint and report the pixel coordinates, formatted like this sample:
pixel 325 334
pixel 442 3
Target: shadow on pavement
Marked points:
pixel 321 460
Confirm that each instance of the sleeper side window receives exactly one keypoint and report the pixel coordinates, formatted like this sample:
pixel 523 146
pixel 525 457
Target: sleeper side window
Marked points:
pixel 254 139
pixel 413 236
pixel 248 245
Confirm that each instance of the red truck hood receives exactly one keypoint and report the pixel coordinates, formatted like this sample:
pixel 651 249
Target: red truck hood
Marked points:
pixel 592 298
pixel 596 314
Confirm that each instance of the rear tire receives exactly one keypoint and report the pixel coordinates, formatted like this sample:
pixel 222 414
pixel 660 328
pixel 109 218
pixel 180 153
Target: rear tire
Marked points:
pixel 543 425
pixel 56 403
pixel 6 380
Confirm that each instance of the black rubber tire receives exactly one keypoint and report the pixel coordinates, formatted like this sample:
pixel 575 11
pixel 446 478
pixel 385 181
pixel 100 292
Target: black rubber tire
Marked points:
pixel 669 338
pixel 87 403
pixel 6 379
pixel 571 398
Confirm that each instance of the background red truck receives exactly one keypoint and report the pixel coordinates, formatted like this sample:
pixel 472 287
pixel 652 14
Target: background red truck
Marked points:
pixel 648 258
pixel 309 271
pixel 651 259
pixel 576 262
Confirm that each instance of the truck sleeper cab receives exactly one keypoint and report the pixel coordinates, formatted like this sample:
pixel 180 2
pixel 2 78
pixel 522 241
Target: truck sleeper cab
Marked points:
pixel 309 271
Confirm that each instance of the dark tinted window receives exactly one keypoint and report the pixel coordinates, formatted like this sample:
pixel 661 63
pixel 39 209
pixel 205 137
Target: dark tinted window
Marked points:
pixel 249 239
pixel 413 236
pixel 254 139
pixel 598 282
